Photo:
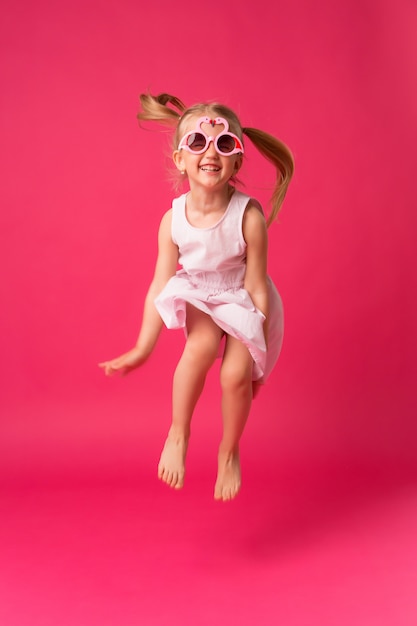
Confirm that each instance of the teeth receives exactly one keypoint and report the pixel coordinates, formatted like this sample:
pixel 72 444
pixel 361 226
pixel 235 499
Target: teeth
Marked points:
pixel 210 169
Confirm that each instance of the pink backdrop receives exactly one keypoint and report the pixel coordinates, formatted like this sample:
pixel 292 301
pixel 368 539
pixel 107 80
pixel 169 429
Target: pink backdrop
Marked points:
pixel 324 531
pixel 83 189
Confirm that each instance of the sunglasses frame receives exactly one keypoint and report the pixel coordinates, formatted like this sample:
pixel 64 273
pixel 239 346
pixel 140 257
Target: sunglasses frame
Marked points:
pixel 206 120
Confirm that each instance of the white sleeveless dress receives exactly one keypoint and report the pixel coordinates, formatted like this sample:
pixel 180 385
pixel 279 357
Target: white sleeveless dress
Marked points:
pixel 213 264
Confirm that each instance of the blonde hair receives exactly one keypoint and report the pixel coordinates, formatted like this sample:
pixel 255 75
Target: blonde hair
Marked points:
pixel 171 111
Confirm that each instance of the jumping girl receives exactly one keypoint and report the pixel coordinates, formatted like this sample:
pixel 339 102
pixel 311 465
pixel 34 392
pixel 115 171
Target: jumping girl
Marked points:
pixel 222 296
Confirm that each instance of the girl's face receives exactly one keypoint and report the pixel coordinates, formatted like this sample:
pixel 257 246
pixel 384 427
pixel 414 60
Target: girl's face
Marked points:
pixel 207 167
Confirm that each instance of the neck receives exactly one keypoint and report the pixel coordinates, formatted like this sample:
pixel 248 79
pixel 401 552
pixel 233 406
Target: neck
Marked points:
pixel 207 200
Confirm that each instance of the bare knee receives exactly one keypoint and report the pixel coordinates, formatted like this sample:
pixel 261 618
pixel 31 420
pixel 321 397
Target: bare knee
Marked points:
pixel 203 338
pixel 200 349
pixel 236 377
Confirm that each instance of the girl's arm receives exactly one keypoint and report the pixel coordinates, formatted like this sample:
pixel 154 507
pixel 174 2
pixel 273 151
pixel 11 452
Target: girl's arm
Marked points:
pixel 256 237
pixel 166 266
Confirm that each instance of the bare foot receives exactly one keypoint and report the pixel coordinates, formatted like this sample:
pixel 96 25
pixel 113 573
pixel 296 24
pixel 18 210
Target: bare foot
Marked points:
pixel 171 468
pixel 228 477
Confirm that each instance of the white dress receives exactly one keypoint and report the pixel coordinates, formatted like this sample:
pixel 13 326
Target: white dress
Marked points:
pixel 213 264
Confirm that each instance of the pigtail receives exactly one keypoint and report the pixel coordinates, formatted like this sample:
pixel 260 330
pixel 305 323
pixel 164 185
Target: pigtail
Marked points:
pixel 163 108
pixel 280 156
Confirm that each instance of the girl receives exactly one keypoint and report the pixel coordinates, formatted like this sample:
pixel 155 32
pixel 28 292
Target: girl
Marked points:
pixel 222 295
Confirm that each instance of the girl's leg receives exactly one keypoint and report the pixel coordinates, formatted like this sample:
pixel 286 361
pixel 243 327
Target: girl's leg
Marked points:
pixel 201 349
pixel 236 382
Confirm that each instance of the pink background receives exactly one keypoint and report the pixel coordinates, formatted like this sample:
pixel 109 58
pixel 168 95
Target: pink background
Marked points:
pixel 82 193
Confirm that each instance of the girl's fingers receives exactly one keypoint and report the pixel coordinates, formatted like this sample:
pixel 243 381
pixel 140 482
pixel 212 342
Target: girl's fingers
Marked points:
pixel 121 365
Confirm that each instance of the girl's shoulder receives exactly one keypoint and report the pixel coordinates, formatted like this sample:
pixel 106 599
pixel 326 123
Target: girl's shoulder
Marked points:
pixel 176 204
pixel 248 201
pixel 253 219
pixel 179 200
pixel 166 220
pixel 254 204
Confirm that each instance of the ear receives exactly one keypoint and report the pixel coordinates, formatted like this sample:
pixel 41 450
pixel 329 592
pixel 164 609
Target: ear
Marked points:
pixel 178 160
pixel 238 163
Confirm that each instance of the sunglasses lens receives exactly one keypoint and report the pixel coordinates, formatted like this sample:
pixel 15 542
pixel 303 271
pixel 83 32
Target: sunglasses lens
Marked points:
pixel 226 143
pixel 196 142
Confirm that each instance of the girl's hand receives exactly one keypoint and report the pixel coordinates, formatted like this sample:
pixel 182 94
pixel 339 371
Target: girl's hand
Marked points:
pixel 124 363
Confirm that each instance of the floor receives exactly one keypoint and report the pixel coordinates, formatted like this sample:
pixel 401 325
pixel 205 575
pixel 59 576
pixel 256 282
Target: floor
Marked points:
pixel 300 546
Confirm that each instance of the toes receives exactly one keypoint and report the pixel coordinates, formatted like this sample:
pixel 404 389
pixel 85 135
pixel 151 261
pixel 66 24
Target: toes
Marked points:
pixel 226 492
pixel 174 480
pixel 228 478
pixel 171 463
pixel 171 478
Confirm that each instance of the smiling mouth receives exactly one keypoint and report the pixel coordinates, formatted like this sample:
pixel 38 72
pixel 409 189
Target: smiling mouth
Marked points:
pixel 210 168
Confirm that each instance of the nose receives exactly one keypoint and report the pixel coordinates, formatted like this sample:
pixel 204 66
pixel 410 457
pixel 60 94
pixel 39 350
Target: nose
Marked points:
pixel 211 147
